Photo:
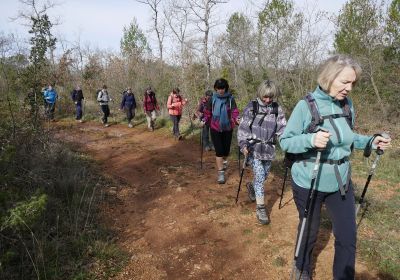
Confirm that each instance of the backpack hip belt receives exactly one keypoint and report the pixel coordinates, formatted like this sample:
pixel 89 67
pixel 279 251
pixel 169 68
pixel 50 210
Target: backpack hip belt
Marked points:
pixel 316 121
pixel 253 141
pixel 343 188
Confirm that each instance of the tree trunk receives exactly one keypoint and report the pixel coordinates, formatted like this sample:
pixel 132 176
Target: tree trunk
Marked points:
pixel 376 91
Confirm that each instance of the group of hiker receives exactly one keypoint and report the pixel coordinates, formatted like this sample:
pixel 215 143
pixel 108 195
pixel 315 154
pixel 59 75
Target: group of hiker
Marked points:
pixel 128 104
pixel 319 136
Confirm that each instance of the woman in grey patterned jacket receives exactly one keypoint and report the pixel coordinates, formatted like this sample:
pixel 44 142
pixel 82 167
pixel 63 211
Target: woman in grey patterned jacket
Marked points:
pixel 262 122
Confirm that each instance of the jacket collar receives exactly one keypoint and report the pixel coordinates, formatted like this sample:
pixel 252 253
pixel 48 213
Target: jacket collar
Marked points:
pixel 321 94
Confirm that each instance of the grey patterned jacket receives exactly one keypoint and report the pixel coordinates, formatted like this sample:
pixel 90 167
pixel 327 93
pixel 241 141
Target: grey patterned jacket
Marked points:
pixel 259 140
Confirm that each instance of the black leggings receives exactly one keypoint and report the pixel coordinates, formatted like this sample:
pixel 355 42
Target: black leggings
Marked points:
pixel 222 142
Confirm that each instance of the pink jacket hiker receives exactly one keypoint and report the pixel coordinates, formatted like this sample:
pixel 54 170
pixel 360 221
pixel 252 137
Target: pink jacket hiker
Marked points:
pixel 175 104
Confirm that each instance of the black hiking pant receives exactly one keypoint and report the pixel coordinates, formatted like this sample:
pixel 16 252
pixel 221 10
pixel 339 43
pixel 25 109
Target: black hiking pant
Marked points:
pixel 130 114
pixel 106 113
pixel 78 106
pixel 342 214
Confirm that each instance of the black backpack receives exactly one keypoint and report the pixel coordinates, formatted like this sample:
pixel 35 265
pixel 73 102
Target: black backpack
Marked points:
pixel 97 93
pixel 256 112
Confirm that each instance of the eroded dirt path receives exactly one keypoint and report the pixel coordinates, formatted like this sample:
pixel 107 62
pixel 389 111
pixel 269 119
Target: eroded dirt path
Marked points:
pixel 176 222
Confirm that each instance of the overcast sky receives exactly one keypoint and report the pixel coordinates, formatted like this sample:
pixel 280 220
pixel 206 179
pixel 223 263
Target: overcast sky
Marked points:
pixel 100 22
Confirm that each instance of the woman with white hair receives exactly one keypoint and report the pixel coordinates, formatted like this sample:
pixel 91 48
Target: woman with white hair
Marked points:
pixel 262 122
pixel 330 136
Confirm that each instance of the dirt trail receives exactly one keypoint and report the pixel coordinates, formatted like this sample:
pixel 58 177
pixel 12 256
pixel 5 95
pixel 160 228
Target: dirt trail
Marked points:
pixel 176 222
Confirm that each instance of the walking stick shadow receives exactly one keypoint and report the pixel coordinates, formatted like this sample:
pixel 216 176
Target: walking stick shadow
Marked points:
pixel 277 186
pixel 136 123
pixel 324 235
pixel 274 197
pixel 286 203
pixel 364 210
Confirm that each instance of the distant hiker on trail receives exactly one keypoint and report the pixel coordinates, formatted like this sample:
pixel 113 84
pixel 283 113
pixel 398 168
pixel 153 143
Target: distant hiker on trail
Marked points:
pixel 175 105
pixel 222 114
pixel 128 104
pixel 331 177
pixel 207 144
pixel 103 98
pixel 262 122
pixel 149 107
pixel 50 97
pixel 77 97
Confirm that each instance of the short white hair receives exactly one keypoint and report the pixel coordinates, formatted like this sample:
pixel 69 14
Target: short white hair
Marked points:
pixel 331 68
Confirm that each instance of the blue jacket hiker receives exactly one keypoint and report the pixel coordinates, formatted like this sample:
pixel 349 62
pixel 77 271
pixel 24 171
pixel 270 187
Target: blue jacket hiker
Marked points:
pixel 77 97
pixel 128 104
pixel 262 122
pixel 333 185
pixel 50 97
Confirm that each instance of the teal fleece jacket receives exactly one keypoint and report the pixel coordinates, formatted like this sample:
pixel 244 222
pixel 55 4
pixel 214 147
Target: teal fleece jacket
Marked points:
pixel 295 140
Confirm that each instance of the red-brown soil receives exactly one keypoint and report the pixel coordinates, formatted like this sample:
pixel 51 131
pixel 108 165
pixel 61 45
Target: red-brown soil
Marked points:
pixel 176 222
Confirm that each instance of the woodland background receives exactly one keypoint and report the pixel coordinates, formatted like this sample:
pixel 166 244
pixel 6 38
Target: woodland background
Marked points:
pixel 47 193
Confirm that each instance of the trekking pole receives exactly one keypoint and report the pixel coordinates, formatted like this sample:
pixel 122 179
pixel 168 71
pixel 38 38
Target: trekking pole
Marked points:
pixel 239 159
pixel 201 148
pixel 241 177
pixel 83 109
pixel 306 210
pixel 283 187
pixel 379 153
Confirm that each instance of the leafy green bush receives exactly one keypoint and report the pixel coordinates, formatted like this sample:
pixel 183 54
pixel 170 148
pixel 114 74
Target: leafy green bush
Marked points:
pixel 25 214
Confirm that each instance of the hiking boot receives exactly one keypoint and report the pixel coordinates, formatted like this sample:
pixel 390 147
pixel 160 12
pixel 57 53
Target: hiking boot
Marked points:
pixel 130 125
pixel 207 149
pixel 225 165
pixel 106 125
pixel 262 215
pixel 250 191
pixel 81 121
pixel 180 137
pixel 301 275
pixel 221 177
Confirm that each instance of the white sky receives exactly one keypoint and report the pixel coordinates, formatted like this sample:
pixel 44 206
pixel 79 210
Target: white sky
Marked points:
pixel 100 22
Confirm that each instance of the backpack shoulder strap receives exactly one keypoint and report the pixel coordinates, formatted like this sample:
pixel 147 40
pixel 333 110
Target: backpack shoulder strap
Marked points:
pixel 316 119
pixel 254 112
pixel 275 109
pixel 347 112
